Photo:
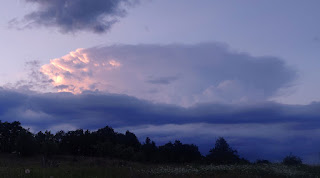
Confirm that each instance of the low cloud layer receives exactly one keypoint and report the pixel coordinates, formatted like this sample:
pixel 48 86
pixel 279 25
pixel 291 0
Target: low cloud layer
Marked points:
pixel 174 74
pixel 78 15
pixel 267 130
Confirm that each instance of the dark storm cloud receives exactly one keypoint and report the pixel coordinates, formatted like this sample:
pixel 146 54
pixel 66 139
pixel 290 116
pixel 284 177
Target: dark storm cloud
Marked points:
pixel 275 129
pixel 77 15
pixel 10 100
pixel 94 109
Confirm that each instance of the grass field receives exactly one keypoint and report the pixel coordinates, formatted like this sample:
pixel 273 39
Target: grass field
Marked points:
pixel 83 167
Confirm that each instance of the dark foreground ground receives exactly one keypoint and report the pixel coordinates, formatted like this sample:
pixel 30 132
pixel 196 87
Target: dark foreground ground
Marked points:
pixel 80 167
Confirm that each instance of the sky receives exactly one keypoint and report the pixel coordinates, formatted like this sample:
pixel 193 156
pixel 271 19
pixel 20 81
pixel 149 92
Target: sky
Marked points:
pixel 184 69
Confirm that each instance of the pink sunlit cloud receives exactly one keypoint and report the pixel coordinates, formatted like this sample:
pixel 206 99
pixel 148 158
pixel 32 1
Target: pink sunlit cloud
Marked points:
pixel 75 72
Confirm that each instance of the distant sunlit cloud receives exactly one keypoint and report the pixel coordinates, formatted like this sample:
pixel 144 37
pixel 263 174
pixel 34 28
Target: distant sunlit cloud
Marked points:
pixel 173 74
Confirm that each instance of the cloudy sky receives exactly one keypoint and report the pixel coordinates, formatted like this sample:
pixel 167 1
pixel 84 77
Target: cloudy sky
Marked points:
pixel 184 69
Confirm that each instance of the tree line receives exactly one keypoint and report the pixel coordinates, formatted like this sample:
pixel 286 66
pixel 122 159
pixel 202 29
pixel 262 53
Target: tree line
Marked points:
pixel 105 142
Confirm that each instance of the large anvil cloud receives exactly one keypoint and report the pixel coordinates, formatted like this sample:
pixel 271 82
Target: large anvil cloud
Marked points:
pixel 175 74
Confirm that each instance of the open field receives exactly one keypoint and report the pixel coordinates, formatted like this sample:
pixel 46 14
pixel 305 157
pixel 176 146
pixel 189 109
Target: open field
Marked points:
pixel 83 167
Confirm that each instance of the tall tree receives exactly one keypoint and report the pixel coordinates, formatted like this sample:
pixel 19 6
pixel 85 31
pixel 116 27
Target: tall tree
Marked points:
pixel 222 153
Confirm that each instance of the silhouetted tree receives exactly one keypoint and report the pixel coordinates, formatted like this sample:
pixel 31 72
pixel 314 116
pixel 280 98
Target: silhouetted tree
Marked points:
pixel 108 143
pixel 149 151
pixel 59 140
pixel 131 140
pixel 179 152
pixel 46 143
pixel 73 142
pixel 222 153
pixel 26 144
pixel 105 134
pixel 9 133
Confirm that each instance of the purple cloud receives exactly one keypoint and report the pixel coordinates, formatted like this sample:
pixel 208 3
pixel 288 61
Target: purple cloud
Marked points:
pixel 97 16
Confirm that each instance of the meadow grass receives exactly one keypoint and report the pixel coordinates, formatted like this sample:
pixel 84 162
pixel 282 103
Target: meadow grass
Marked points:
pixel 89 167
